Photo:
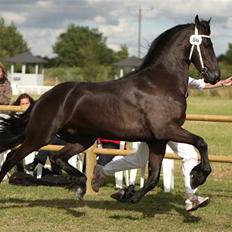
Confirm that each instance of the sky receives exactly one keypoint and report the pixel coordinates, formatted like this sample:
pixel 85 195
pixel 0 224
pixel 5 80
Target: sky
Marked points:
pixel 42 21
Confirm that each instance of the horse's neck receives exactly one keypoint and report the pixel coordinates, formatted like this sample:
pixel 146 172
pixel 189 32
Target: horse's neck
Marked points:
pixel 171 72
pixel 174 60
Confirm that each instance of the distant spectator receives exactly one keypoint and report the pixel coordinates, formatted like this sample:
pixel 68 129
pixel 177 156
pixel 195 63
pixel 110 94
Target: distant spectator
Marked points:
pixel 5 88
pixel 5 98
pixel 23 99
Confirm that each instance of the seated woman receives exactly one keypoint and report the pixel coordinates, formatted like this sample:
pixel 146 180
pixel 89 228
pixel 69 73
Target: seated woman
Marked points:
pixel 23 99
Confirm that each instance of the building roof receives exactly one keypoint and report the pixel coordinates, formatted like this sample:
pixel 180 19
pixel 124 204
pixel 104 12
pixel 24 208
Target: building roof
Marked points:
pixel 130 61
pixel 26 58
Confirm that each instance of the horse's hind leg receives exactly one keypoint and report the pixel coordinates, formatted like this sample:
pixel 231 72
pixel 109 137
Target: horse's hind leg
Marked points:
pixel 61 159
pixel 14 156
pixel 157 151
pixel 62 156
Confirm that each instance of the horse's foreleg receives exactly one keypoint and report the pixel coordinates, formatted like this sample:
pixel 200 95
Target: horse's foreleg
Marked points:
pixel 157 151
pixel 200 172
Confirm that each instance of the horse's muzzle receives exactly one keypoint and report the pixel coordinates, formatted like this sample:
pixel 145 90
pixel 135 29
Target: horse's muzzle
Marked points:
pixel 211 77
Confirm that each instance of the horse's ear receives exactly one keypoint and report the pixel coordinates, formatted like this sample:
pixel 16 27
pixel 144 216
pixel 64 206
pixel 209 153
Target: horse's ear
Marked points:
pixel 209 20
pixel 197 20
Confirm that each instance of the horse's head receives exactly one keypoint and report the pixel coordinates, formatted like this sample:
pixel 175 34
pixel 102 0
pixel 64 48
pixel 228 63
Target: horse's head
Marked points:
pixel 202 53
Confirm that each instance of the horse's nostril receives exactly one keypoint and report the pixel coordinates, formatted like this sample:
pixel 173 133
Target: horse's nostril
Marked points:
pixel 217 78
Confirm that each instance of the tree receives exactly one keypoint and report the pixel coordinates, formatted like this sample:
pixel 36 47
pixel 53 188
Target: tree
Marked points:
pixel 11 41
pixel 86 49
pixel 81 46
pixel 228 55
pixel 220 57
pixel 122 53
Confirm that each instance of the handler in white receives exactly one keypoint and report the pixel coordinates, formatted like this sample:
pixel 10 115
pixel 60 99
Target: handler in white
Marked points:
pixel 140 158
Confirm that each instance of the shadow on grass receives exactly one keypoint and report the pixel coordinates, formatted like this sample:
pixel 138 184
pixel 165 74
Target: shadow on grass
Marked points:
pixel 149 206
pixel 65 204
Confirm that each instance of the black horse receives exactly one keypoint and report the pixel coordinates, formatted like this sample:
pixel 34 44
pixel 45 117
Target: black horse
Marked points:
pixel 147 105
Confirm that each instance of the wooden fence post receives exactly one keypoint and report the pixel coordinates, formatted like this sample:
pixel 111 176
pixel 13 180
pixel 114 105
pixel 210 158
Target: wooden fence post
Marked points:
pixel 90 163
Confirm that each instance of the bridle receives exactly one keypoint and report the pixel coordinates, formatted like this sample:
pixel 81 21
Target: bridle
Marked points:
pixel 196 40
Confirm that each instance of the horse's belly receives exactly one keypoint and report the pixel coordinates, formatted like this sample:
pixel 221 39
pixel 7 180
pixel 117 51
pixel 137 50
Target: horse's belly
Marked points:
pixel 130 131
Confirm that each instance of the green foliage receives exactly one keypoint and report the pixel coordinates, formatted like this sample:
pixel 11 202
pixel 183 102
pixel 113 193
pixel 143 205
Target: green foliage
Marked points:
pixel 194 73
pixel 226 70
pixel 81 46
pixel 11 41
pixel 228 55
pixel 93 73
pixel 97 73
pixel 54 76
pixel 122 53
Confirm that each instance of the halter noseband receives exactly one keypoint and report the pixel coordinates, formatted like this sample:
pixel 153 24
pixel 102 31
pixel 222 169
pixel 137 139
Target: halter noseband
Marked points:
pixel 196 40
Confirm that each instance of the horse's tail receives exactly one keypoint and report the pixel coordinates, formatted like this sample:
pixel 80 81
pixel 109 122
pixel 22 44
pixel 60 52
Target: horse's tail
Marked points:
pixel 12 129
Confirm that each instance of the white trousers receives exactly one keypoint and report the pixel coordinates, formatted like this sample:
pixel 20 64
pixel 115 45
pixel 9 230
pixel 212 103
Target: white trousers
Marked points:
pixel 140 158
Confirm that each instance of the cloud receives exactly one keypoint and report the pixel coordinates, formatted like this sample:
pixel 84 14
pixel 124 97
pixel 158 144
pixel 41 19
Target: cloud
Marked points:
pixel 14 17
pixel 40 21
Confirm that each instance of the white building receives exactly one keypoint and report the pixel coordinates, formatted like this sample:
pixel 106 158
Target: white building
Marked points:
pixel 127 65
pixel 26 70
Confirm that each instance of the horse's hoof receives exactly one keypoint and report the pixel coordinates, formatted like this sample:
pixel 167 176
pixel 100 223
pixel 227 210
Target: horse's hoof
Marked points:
pixel 132 200
pixel 124 194
pixel 198 176
pixel 118 195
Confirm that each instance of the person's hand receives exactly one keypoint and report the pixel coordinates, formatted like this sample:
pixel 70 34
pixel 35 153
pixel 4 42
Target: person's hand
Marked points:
pixel 227 82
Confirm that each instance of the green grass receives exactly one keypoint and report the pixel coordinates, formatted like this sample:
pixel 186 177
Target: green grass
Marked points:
pixel 56 209
pixel 209 105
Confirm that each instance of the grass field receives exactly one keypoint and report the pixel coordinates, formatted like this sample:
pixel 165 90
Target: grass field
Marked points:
pixel 56 209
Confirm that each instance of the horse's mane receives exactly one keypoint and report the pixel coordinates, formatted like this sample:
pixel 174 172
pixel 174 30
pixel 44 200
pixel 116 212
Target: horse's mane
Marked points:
pixel 156 47
pixel 159 43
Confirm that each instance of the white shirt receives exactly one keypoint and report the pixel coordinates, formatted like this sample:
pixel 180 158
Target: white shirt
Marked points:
pixel 197 84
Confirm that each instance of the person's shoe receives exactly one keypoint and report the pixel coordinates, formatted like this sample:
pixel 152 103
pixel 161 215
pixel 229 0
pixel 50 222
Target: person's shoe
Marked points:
pixel 98 178
pixel 195 202
pixel 30 167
